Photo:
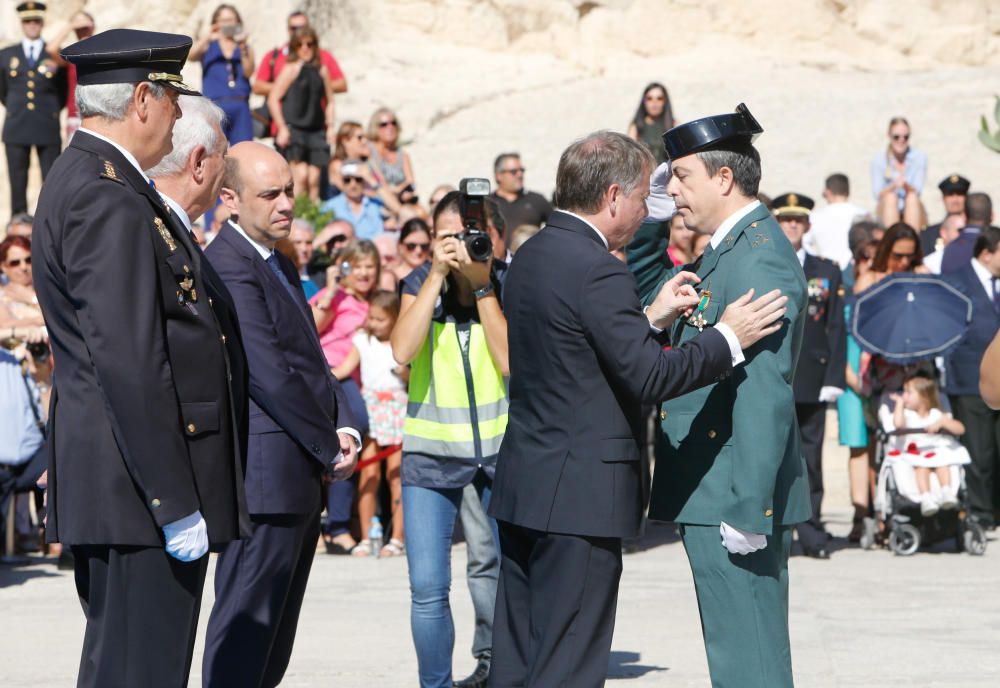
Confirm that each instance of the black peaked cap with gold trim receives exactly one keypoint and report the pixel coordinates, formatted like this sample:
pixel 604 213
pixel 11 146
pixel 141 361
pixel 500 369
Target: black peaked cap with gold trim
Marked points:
pixel 792 204
pixel 955 183
pixel 716 131
pixel 31 10
pixel 122 56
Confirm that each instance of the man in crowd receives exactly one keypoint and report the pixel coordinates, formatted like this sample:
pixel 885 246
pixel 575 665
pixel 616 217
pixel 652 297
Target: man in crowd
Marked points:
pixel 20 225
pixel 732 462
pixel 33 90
pixel 518 207
pixel 570 483
pixel 979 279
pixel 301 430
pixel 947 232
pixel 145 466
pixel 819 377
pixel 954 188
pixel 830 224
pixel 354 205
pixel 301 237
pixel 274 60
pixel 978 216
pixel 82 25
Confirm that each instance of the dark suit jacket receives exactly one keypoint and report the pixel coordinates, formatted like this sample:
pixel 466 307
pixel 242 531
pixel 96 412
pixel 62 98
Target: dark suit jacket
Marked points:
pixel 143 419
pixel 31 119
pixel 823 356
pixel 962 362
pixel 296 404
pixel 583 362
pixel 958 253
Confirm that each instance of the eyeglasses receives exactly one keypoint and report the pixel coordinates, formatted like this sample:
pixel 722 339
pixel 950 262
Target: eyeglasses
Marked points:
pixel 359 136
pixel 651 97
pixel 901 256
pixel 513 170
pixel 307 44
pixel 297 27
pixel 900 137
pixel 338 238
pixel 17 261
pixel 349 180
pixel 416 246
pixel 388 123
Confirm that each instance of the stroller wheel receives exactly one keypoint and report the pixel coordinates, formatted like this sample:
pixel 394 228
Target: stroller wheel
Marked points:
pixel 904 539
pixel 869 533
pixel 974 539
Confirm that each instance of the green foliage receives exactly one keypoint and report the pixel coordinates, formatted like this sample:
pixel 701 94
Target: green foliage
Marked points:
pixel 308 209
pixel 991 139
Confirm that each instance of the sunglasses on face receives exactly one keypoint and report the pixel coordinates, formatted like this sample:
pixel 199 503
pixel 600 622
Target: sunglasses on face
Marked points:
pixel 307 44
pixel 513 170
pixel 902 256
pixel 416 246
pixel 17 261
pixel 388 123
pixel 31 21
pixel 296 27
pixel 338 239
pixel 350 180
pixel 654 97
pixel 900 137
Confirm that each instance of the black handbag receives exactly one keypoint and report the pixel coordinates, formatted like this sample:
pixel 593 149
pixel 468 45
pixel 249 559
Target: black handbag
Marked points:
pixel 262 121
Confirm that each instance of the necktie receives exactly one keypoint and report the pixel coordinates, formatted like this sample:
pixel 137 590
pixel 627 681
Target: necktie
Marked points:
pixel 32 56
pixel 996 294
pixel 272 262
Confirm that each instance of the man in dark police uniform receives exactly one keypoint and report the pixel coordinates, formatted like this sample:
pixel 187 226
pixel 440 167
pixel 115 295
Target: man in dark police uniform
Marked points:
pixel 146 465
pixel 33 90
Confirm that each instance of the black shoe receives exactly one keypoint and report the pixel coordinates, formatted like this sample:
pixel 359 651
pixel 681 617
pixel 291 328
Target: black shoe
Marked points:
pixel 478 678
pixel 816 552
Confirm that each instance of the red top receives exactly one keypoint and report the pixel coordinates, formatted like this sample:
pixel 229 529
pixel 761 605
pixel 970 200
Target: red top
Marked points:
pixel 71 90
pixel 265 73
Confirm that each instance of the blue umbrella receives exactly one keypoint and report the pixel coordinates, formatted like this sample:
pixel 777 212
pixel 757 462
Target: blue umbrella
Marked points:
pixel 907 318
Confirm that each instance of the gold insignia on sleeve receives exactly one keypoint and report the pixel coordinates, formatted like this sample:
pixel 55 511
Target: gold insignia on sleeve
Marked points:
pixel 165 234
pixel 109 171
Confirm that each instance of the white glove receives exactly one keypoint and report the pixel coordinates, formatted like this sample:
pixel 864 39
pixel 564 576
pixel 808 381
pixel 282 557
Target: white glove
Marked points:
pixel 661 207
pixel 187 538
pixel 828 394
pixel 739 541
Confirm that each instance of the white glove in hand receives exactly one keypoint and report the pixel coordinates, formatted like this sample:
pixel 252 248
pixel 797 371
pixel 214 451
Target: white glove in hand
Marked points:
pixel 187 538
pixel 828 394
pixel 661 207
pixel 739 541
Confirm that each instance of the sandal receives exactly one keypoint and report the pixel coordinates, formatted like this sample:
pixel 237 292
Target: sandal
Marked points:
pixel 334 547
pixel 362 549
pixel 393 548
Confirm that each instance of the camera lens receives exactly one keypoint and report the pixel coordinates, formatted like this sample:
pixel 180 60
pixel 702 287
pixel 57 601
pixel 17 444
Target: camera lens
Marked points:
pixel 479 246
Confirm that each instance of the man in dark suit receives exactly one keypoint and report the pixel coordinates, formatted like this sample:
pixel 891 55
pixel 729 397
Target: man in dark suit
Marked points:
pixel 820 375
pixel 979 279
pixel 570 482
pixel 301 431
pixel 978 215
pixel 146 465
pixel 33 90
pixel 953 189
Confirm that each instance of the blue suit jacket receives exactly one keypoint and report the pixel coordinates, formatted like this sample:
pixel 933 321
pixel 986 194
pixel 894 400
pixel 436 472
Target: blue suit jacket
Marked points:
pixel 296 405
pixel 962 363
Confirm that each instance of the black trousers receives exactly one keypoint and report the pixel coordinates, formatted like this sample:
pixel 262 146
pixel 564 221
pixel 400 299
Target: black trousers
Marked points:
pixel 142 615
pixel 812 425
pixel 18 161
pixel 259 586
pixel 555 611
pixel 982 439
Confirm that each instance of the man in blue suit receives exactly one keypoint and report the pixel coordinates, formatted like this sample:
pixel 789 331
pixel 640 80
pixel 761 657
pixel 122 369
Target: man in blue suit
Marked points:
pixel 979 279
pixel 301 432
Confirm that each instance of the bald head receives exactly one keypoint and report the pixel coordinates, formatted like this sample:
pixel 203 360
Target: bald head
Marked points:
pixel 257 189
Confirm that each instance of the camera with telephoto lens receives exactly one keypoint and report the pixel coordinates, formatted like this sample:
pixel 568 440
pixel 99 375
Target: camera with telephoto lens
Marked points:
pixel 472 208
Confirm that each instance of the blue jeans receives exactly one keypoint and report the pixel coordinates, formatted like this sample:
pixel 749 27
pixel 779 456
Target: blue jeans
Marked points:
pixel 431 513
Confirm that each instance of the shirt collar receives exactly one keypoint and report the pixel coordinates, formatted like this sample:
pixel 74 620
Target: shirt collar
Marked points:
pixel 604 239
pixel 37 43
pixel 801 253
pixel 264 251
pixel 177 210
pixel 731 221
pixel 128 156
pixel 982 273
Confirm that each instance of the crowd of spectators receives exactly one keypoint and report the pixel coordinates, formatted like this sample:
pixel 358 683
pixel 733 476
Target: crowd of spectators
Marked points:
pixel 366 269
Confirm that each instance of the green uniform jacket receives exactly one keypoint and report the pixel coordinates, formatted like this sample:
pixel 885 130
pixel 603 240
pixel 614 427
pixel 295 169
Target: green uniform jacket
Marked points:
pixel 731 451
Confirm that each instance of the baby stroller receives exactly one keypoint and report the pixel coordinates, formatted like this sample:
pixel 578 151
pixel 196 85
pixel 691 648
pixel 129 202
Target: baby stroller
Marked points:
pixel 890 321
pixel 897 503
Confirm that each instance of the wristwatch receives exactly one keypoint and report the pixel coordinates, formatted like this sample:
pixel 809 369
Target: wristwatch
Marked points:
pixel 484 291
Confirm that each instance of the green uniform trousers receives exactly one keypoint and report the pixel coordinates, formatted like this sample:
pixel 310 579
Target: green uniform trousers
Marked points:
pixel 743 602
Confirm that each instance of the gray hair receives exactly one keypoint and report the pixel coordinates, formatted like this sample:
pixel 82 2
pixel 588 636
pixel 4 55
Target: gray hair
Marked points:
pixel 110 101
pixel 302 223
pixel 742 159
pixel 200 125
pixel 592 164
pixel 499 161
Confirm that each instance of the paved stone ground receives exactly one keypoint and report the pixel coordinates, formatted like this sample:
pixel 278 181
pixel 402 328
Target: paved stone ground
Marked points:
pixel 860 619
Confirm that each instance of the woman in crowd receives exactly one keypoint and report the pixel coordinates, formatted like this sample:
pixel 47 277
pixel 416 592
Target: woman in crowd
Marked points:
pixel 681 246
pixel 20 314
pixel 414 246
pixel 453 333
pixel 653 117
pixel 384 382
pixel 340 310
pixel 898 175
pixel 390 164
pixel 350 144
pixel 899 251
pixel 227 63
pixel 301 105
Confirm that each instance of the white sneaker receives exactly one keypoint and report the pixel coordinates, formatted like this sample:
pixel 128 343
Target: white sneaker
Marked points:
pixel 928 507
pixel 949 501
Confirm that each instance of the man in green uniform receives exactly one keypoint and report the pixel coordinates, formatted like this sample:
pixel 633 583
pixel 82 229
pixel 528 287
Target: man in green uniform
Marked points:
pixel 730 468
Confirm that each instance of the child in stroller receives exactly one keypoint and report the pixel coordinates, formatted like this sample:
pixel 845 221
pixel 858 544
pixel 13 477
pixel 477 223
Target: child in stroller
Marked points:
pixel 925 437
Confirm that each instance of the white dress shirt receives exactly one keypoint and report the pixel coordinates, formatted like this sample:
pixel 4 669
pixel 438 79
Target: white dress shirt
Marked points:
pixel 177 210
pixel 985 277
pixel 830 225
pixel 33 49
pixel 266 253
pixel 727 225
